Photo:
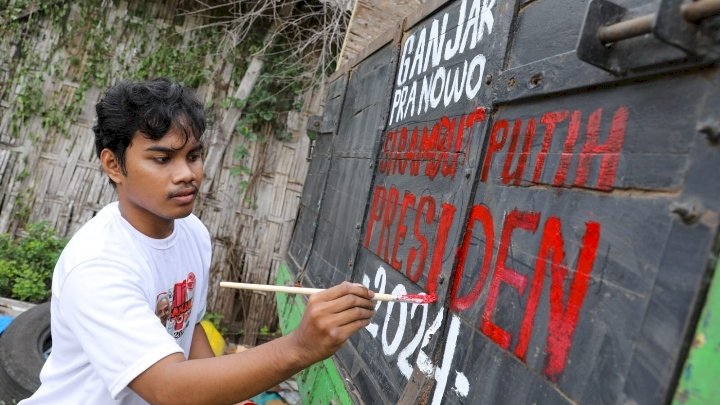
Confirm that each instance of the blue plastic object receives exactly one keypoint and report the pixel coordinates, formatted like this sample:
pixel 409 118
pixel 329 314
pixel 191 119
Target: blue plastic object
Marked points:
pixel 4 322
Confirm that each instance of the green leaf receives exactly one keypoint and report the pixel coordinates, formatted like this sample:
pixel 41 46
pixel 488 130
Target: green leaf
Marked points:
pixel 267 115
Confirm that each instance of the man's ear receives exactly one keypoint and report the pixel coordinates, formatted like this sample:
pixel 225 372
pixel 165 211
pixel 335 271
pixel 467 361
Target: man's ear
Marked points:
pixel 111 165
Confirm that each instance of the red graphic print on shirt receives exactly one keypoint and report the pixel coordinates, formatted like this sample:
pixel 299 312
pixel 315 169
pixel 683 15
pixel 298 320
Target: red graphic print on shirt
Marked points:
pixel 173 307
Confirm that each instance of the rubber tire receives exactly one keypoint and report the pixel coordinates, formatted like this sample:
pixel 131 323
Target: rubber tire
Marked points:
pixel 22 353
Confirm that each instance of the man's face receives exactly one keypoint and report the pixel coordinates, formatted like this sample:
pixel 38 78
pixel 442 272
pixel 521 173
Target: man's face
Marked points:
pixel 161 181
pixel 162 310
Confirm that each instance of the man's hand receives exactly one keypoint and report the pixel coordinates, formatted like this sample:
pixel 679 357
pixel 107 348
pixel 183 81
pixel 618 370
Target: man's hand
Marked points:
pixel 331 317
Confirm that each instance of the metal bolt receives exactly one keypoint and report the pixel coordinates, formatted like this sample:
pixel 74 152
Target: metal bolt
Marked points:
pixel 441 280
pixel 687 212
pixel 357 225
pixel 511 83
pixel 711 129
pixel 535 80
pixel 488 79
pixel 316 124
pixel 468 172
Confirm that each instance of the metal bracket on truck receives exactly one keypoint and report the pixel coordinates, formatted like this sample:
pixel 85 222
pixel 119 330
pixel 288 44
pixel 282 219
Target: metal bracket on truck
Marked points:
pixel 675 23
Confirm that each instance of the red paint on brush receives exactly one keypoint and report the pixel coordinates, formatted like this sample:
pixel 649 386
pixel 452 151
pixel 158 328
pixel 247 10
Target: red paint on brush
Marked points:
pixel 418 298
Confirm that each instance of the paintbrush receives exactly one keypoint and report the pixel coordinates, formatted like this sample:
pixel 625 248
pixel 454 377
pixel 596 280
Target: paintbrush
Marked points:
pixel 411 298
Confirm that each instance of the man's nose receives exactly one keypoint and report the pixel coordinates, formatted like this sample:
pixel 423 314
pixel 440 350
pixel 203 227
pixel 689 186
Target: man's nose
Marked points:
pixel 184 173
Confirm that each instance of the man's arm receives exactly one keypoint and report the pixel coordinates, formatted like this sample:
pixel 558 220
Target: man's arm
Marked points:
pixel 330 318
pixel 200 347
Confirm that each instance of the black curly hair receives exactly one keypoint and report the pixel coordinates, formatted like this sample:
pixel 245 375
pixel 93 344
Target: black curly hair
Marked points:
pixel 150 108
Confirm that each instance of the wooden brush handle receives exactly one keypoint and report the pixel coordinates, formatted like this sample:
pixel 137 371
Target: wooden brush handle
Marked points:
pixel 293 290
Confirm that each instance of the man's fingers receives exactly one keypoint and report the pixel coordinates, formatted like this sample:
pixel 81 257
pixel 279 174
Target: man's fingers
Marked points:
pixel 350 306
pixel 330 321
pixel 345 288
pixel 352 314
pixel 342 333
pixel 347 302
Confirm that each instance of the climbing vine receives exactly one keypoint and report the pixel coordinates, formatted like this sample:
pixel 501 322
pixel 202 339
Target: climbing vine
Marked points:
pixel 277 92
pixel 79 51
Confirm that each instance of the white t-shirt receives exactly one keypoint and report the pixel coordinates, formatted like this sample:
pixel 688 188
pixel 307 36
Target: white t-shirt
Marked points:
pixel 121 301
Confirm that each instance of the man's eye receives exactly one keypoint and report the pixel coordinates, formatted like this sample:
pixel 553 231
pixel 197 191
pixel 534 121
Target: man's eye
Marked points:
pixel 194 157
pixel 161 159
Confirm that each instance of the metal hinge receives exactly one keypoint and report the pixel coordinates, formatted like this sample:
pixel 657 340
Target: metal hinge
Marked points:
pixel 314 123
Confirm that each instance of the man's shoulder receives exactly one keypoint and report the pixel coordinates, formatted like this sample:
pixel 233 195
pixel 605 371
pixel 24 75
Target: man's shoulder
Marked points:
pixel 100 224
pixel 193 220
pixel 194 225
pixel 100 236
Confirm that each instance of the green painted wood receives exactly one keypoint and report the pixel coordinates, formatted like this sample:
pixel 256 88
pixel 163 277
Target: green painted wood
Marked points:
pixel 699 380
pixel 320 383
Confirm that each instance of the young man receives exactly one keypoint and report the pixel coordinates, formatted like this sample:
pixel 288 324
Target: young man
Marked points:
pixel 130 287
